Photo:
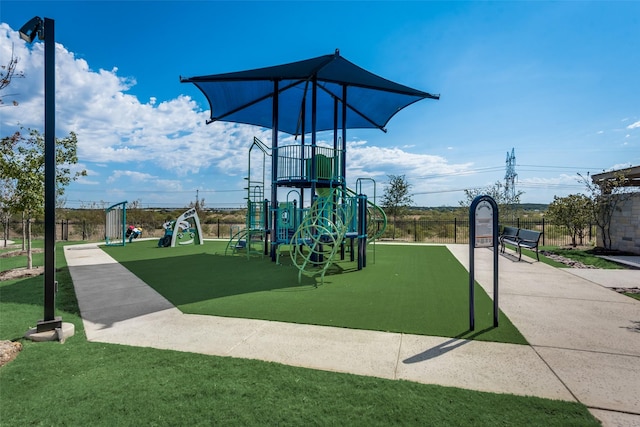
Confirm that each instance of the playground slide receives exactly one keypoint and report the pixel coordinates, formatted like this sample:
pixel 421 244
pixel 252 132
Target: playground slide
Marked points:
pixel 376 219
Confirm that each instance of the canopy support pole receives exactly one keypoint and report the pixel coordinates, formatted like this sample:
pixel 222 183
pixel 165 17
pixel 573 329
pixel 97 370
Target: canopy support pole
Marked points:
pixel 314 108
pixel 274 169
pixel 343 163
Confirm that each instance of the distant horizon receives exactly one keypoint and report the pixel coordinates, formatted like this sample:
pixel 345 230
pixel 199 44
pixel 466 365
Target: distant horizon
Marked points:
pixel 207 207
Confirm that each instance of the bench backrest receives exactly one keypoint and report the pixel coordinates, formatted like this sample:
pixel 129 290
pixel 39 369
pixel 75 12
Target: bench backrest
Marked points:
pixel 530 235
pixel 510 231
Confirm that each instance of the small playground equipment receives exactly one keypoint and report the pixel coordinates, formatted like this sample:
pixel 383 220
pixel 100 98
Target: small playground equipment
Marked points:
pixel 116 224
pixel 185 230
pixel 133 232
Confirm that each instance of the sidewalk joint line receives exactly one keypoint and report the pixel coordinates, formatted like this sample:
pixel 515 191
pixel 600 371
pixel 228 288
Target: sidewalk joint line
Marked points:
pixel 556 375
pixel 395 371
pixel 246 338
pixel 586 351
pixel 615 411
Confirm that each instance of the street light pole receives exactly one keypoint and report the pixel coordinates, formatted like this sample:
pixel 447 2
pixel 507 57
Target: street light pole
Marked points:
pixel 45 30
pixel 49 322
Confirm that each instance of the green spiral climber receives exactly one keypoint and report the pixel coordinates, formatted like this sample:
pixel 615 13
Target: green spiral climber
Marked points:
pixel 321 232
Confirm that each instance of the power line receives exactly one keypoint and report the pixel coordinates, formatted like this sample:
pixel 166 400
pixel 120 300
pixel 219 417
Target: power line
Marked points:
pixel 459 173
pixel 561 167
pixel 441 191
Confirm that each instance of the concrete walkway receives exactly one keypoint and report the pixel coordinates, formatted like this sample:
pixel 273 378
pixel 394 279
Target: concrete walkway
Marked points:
pixel 585 338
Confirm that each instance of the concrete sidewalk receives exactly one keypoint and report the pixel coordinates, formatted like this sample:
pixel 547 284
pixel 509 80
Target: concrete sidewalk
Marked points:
pixel 585 339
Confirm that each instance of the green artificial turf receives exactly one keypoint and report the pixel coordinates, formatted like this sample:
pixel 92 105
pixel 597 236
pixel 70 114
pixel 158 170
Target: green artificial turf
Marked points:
pixel 409 289
pixel 82 383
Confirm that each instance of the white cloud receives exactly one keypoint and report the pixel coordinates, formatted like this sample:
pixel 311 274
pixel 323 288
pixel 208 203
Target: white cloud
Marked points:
pixel 136 177
pixel 114 126
pixel 634 125
pixel 619 166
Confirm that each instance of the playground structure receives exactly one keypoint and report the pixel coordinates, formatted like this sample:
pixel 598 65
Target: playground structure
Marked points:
pixel 319 219
pixel 319 213
pixel 185 230
pixel 116 224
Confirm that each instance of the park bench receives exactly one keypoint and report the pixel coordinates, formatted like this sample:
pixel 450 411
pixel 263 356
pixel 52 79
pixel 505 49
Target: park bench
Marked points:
pixel 520 238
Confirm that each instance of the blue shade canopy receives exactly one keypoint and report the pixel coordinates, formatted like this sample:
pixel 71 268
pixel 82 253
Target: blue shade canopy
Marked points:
pixel 248 96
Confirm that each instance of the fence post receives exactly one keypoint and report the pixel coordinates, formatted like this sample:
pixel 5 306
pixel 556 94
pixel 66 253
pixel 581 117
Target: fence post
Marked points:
pixel 455 230
pixel 218 228
pixel 543 231
pixel 415 230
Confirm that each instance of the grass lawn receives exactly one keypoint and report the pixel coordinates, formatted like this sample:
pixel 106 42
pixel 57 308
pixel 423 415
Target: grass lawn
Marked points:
pixel 9 263
pixel 84 383
pixel 586 257
pixel 583 256
pixel 532 254
pixel 636 296
pixel 410 289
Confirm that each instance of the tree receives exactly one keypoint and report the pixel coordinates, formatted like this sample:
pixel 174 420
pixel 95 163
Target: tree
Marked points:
pixel 573 212
pixel 7 194
pixel 7 73
pixel 22 168
pixel 506 203
pixel 396 198
pixel 606 198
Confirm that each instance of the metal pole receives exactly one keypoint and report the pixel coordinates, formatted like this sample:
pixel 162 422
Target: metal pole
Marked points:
pixel 343 154
pixel 274 168
pixel 496 309
pixel 455 230
pixel 472 238
pixel 49 322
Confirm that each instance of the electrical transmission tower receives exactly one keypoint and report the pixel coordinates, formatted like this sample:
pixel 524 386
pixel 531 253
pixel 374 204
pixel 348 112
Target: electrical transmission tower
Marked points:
pixel 510 180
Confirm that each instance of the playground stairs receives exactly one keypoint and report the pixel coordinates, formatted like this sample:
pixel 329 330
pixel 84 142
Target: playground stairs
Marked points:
pixel 249 242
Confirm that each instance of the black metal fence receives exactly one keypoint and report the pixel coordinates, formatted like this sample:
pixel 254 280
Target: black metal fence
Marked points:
pixel 457 231
pixel 410 230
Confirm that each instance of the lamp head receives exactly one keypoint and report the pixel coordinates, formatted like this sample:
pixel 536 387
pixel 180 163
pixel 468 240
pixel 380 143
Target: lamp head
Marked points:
pixel 32 29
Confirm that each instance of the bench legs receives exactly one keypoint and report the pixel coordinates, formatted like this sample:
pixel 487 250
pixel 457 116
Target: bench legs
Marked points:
pixel 518 250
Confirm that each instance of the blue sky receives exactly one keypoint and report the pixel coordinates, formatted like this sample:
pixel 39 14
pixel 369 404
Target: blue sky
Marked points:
pixel 556 81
